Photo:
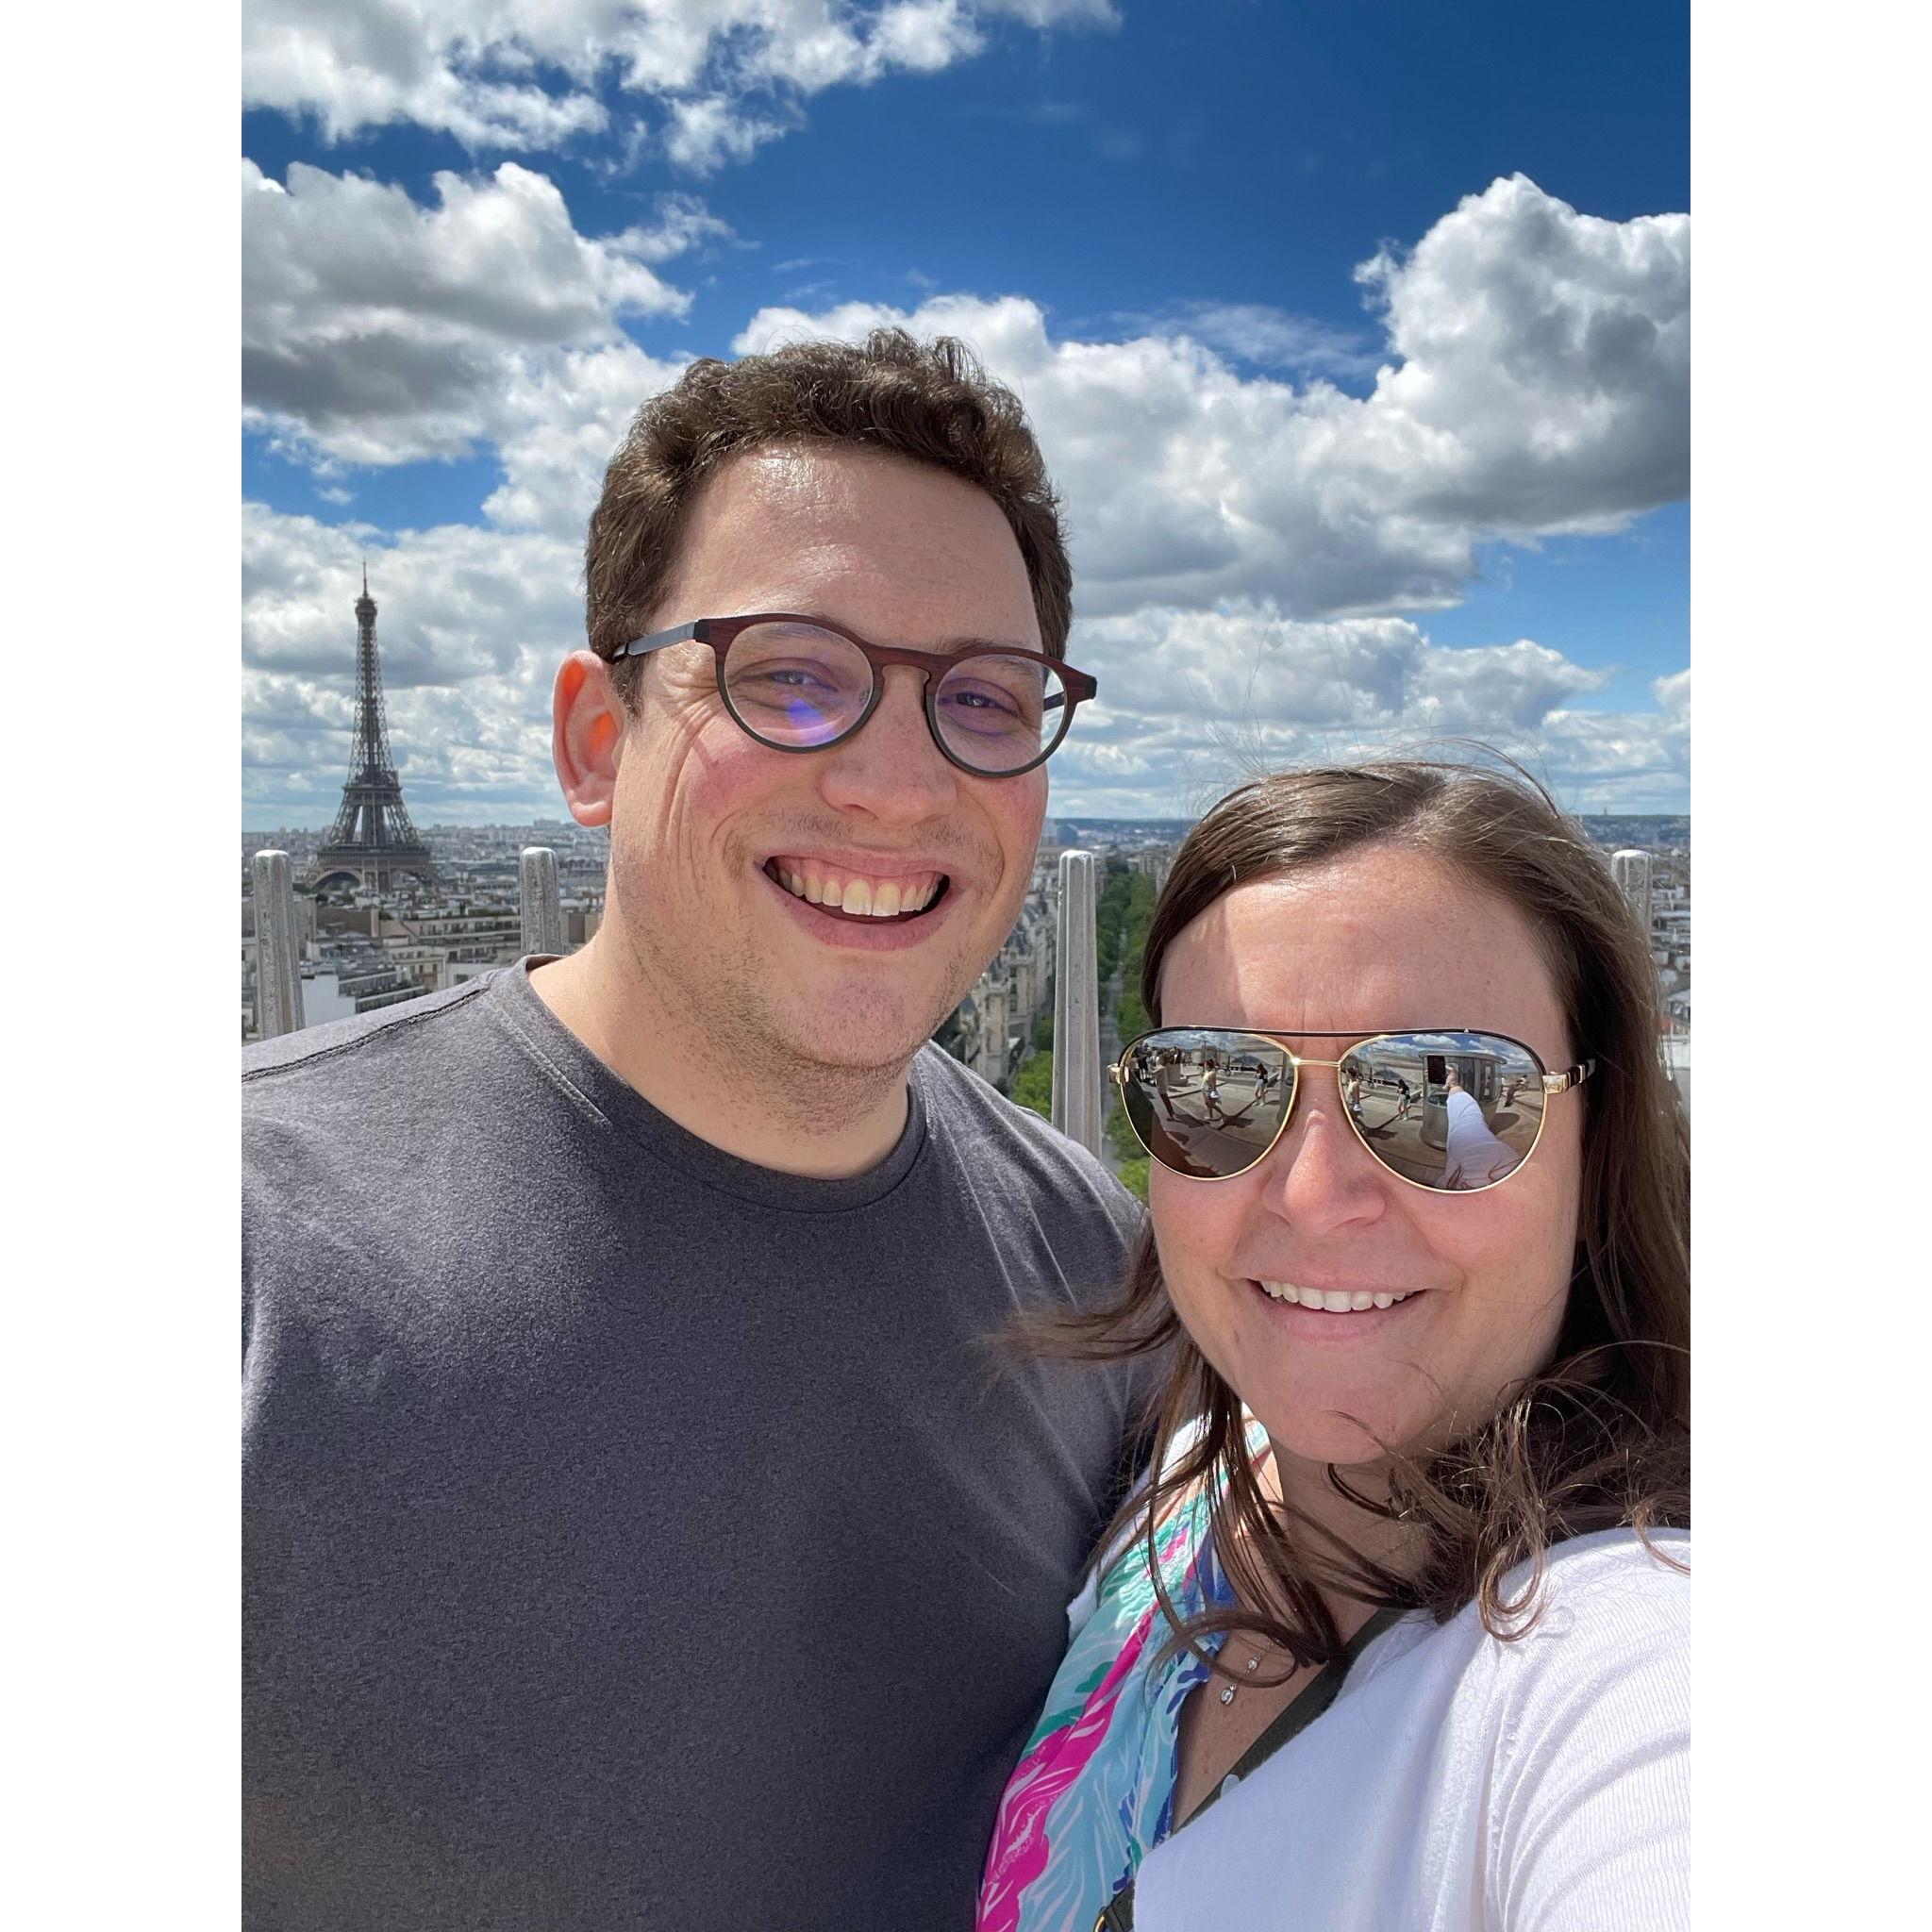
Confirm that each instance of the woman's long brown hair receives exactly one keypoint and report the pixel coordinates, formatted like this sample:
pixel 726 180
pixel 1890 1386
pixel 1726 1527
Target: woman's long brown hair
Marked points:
pixel 1599 1437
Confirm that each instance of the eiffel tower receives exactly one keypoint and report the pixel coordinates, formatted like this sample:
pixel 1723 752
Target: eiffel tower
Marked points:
pixel 372 840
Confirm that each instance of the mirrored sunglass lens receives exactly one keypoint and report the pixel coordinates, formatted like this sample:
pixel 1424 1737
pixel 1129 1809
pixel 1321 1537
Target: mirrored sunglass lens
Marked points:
pixel 998 713
pixel 1206 1103
pixel 792 684
pixel 1456 1111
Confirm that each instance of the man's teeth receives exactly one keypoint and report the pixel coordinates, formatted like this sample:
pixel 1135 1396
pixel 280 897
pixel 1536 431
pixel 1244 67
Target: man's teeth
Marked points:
pixel 1334 1300
pixel 857 893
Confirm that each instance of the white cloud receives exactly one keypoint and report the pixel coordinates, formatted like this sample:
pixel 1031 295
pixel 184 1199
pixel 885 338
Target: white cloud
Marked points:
pixel 365 63
pixel 1190 702
pixel 683 223
pixel 1535 382
pixel 378 331
pixel 924 36
pixel 1551 349
pixel 526 73
pixel 1057 12
pixel 567 414
pixel 1251 556
pixel 709 130
pixel 1275 339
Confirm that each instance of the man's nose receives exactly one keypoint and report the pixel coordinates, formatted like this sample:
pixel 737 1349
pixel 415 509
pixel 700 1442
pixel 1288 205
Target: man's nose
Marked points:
pixel 890 769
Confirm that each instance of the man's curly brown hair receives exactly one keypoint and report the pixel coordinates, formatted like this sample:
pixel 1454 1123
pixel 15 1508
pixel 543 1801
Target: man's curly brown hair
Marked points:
pixel 929 401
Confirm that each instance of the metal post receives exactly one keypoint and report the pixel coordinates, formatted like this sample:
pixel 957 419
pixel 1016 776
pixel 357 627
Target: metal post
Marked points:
pixel 542 903
pixel 1076 1091
pixel 277 947
pixel 1631 869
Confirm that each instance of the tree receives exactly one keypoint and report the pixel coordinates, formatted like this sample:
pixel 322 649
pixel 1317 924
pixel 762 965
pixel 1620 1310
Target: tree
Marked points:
pixel 1033 1086
pixel 1110 917
pixel 1137 915
pixel 1134 1178
pixel 947 1037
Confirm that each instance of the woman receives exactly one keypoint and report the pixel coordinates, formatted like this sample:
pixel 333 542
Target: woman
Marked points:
pixel 1397 1636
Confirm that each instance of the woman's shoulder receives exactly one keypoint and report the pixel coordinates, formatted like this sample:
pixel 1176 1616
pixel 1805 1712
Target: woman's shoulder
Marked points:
pixel 1609 1579
pixel 1180 1534
pixel 1605 1616
pixel 1543 1772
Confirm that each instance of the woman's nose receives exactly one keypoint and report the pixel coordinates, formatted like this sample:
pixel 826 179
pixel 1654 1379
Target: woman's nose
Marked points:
pixel 1319 1176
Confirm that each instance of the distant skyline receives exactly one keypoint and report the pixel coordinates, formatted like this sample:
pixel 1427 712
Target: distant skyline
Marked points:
pixel 1357 339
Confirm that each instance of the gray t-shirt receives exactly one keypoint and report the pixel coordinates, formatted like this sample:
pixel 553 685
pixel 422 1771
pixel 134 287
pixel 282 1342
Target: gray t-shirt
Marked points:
pixel 635 1536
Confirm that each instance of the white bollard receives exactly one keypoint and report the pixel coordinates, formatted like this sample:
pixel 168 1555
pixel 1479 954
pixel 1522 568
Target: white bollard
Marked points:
pixel 277 947
pixel 1078 1111
pixel 541 901
pixel 1631 869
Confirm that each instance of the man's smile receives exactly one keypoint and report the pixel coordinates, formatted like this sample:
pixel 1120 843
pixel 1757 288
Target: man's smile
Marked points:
pixel 853 893
pixel 875 907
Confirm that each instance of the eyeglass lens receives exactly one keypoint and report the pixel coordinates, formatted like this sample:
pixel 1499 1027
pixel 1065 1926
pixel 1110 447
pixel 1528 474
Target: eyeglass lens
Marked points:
pixel 794 684
pixel 1453 1112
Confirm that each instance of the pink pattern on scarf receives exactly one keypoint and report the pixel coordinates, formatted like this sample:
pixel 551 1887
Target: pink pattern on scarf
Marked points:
pixel 1020 1843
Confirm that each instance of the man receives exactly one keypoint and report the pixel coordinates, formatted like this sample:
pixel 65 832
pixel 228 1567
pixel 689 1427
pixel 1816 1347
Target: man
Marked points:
pixel 1164 1083
pixel 639 1529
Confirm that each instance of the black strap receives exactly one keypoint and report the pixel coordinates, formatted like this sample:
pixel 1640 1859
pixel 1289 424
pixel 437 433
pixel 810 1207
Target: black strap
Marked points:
pixel 1308 1704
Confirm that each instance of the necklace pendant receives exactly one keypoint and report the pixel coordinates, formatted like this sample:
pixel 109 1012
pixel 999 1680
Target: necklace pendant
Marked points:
pixel 1228 1693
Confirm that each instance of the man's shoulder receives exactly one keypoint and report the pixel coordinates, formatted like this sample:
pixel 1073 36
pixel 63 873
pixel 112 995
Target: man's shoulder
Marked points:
pixel 958 1098
pixel 361 1071
pixel 410 1026
pixel 1009 1143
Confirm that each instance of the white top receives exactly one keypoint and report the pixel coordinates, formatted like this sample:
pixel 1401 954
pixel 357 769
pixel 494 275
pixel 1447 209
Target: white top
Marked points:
pixel 1473 1153
pixel 1457 1782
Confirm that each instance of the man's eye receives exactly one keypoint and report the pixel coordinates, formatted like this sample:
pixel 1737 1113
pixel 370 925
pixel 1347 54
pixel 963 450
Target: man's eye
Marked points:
pixel 989 701
pixel 785 678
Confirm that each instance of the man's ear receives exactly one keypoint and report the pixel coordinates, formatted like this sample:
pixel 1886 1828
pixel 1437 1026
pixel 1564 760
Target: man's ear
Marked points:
pixel 587 737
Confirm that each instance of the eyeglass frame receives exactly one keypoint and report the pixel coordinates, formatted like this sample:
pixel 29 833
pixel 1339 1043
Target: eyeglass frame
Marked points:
pixel 719 633
pixel 1569 1079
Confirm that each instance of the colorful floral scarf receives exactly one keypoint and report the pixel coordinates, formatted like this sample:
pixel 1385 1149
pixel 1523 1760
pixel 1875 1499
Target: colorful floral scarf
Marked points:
pixel 1094 1792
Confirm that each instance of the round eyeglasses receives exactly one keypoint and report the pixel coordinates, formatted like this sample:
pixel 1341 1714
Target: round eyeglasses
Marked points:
pixel 803 683
pixel 1442 1108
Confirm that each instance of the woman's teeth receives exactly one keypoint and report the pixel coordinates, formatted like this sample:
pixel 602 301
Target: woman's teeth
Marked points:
pixel 1334 1300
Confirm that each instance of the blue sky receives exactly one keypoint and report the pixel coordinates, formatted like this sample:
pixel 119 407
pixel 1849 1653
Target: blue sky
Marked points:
pixel 1356 334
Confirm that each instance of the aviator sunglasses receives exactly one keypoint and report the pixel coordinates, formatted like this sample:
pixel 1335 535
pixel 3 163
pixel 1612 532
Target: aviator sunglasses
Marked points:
pixel 803 684
pixel 1445 1108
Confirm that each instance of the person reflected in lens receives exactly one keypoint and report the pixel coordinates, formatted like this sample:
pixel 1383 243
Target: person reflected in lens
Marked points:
pixel 1476 1158
pixel 1163 1084
pixel 1396 1630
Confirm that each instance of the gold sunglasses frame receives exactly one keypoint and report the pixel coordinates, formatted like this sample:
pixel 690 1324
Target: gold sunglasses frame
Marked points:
pixel 1551 1083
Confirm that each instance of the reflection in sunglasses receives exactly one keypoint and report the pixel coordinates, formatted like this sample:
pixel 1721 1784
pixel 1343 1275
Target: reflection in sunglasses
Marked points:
pixel 1446 1111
